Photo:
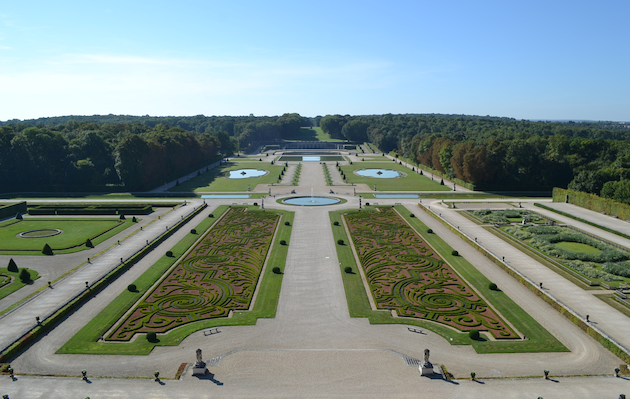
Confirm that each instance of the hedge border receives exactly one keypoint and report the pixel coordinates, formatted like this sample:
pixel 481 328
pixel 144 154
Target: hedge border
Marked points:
pixel 607 342
pixel 10 210
pixel 592 202
pixel 50 322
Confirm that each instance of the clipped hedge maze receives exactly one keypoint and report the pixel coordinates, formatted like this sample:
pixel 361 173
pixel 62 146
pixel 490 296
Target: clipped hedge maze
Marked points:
pixel 219 274
pixel 403 273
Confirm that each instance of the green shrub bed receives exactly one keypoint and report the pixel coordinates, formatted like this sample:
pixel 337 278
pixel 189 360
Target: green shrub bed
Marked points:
pixel 218 275
pixel 406 275
pixel 592 258
pixel 507 216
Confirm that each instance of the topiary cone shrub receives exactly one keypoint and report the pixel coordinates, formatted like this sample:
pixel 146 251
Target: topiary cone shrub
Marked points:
pixel 276 270
pixel 287 224
pixel 455 253
pixel 152 337
pixel 18 216
pixel 193 231
pixel 283 242
pixel 474 335
pixel 430 231
pixel 211 215
pixel 132 288
pixel 25 276
pixel 442 182
pixel 88 243
pixel 335 223
pixel 493 287
pixel 122 217
pixel 12 267
pixel 47 250
pixel 133 219
pixel 412 216
pixel 340 242
pixel 348 270
pixel 169 254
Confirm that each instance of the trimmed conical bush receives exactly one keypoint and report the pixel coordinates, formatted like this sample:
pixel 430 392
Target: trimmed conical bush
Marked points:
pixel 88 243
pixel 47 250
pixel 18 216
pixel 12 267
pixel 25 276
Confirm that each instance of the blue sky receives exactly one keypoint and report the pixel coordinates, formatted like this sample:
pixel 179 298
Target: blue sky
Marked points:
pixel 527 60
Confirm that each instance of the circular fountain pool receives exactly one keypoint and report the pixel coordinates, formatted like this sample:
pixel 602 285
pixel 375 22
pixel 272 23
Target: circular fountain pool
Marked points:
pixel 311 201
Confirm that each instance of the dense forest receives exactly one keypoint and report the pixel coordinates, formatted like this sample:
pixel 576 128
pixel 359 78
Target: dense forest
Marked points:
pixel 139 152
pixel 502 153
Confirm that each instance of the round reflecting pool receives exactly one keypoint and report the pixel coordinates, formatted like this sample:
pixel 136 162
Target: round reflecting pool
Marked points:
pixel 311 201
pixel 379 173
pixel 39 233
pixel 245 173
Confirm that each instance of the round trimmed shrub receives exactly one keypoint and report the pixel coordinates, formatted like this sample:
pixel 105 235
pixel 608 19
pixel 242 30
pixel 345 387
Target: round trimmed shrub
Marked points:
pixel 367 204
pixel 169 254
pixel 474 335
pixel 12 267
pixel 412 216
pixel 25 276
pixel 152 337
pixel 455 253
pixel 348 270
pixel 493 287
pixel 335 223
pixel 47 250
pixel 430 231
pixel 255 203
pixel 132 288
pixel 287 224
pixel 340 242
pixel 276 270
pixel 133 219
pixel 283 242
pixel 193 231
pixel 88 243
pixel 211 215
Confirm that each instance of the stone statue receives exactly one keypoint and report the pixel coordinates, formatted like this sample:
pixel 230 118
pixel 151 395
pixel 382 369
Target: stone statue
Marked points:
pixel 199 357
pixel 425 367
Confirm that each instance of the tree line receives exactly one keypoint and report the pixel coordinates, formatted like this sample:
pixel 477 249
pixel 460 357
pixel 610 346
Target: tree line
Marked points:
pixel 88 156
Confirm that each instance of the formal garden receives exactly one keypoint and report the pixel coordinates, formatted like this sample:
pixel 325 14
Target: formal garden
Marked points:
pixel 24 235
pixel 409 180
pixel 592 258
pixel 406 275
pixel 217 274
pixel 218 179
pixel 428 284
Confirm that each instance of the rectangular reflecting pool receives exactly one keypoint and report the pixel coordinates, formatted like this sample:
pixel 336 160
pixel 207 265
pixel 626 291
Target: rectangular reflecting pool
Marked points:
pixel 225 196
pixel 396 196
pixel 307 159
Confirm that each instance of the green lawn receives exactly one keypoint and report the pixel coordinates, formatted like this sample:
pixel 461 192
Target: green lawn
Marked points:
pixel 412 181
pixel 75 231
pixel 9 281
pixel 266 302
pixel 539 339
pixel 211 181
pixel 577 247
